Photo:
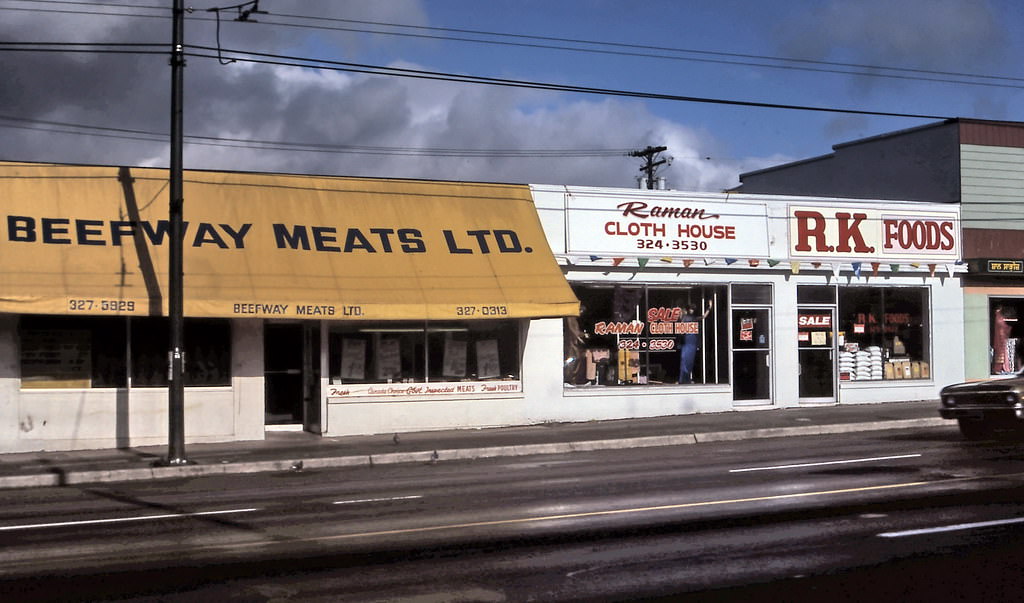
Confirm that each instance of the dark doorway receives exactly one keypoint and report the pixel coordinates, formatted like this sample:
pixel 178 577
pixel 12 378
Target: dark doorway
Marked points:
pixel 283 351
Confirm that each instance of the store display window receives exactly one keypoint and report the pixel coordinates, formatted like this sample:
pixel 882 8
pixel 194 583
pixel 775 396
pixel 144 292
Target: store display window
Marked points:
pixel 1007 334
pixel 96 352
pixel 884 333
pixel 397 352
pixel 207 352
pixel 647 335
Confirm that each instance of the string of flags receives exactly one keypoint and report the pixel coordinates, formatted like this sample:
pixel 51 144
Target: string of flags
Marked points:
pixel 858 268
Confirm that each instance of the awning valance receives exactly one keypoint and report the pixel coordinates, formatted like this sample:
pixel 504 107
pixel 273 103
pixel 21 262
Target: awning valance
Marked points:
pixel 93 240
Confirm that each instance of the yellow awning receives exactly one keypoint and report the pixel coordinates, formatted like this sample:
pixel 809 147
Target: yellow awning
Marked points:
pixel 93 240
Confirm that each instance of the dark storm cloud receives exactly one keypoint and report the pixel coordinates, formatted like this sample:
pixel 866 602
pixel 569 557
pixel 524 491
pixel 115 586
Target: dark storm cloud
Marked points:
pixel 275 103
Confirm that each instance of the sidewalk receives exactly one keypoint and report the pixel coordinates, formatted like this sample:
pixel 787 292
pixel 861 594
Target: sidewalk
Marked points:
pixel 290 451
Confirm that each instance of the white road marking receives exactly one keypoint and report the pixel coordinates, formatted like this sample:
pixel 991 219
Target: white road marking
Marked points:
pixel 819 464
pixel 85 522
pixel 368 500
pixel 952 528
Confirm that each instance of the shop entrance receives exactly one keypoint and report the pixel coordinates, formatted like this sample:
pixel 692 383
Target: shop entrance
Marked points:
pixel 751 355
pixel 291 375
pixel 817 355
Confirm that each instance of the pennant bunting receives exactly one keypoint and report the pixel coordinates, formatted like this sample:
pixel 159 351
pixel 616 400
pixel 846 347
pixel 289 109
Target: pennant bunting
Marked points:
pixel 754 263
pixel 687 263
pixel 642 262
pixel 856 269
pixel 667 260
pixel 874 268
pixel 617 261
pixel 894 267
pixel 835 268
pixel 773 263
pixel 931 269
pixel 816 264
pixel 915 264
pixel 730 261
pixel 949 270
pixel 594 258
pixel 709 261
pixel 794 267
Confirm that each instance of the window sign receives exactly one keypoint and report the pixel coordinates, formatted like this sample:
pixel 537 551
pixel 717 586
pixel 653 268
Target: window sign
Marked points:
pixel 389 358
pixel 454 357
pixel 353 358
pixel 647 335
pixel 487 362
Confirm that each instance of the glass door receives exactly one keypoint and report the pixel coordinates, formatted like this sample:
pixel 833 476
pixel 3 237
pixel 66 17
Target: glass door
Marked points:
pixel 817 355
pixel 751 355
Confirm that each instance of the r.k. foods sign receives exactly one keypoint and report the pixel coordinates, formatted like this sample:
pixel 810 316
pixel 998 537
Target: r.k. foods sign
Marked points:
pixel 665 226
pixel 858 232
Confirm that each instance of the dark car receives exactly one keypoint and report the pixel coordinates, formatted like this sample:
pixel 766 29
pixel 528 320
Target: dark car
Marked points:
pixel 985 409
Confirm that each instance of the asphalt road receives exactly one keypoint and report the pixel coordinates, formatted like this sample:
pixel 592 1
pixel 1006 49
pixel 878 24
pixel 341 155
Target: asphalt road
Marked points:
pixel 888 515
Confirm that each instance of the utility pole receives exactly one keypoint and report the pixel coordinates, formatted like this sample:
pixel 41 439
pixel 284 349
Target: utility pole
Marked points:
pixel 650 154
pixel 175 274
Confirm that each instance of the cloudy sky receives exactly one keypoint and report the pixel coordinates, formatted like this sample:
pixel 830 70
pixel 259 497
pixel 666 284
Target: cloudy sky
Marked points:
pixel 938 58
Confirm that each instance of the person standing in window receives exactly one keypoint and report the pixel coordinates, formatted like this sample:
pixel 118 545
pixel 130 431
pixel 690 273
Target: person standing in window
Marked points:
pixel 691 340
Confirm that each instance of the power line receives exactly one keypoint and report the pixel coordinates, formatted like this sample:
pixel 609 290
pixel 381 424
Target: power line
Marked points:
pixel 312 63
pixel 627 49
pixel 903 70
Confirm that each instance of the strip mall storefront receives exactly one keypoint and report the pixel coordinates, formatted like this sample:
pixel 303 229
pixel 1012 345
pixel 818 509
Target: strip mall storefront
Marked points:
pixel 334 305
pixel 713 302
pixel 361 306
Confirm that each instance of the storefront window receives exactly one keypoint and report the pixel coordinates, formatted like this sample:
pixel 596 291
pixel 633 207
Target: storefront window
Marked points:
pixel 207 352
pixel 884 333
pixel 1007 334
pixel 418 353
pixel 647 335
pixel 94 352
pixel 72 352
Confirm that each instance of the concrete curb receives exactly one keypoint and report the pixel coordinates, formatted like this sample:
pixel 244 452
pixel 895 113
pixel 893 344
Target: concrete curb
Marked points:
pixel 57 477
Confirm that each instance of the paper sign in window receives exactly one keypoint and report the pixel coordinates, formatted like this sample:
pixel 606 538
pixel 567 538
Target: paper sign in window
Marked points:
pixel 353 358
pixel 487 364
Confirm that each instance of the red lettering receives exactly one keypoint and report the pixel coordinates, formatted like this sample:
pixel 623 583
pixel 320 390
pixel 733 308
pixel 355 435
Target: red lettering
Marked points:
pixel 810 224
pixel 849 231
pixel 664 314
pixel 947 236
pixel 918 235
pixel 635 229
